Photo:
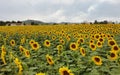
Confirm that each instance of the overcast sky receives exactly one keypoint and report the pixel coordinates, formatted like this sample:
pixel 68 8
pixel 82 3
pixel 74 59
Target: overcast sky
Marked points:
pixel 60 10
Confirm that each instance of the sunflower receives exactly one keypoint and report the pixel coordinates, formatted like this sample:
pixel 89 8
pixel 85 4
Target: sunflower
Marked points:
pixel 112 35
pixel 20 69
pixel 115 48
pixel 17 61
pixel 68 37
pixel 82 51
pixel 86 36
pixel 31 42
pixel 22 41
pixel 73 46
pixel 62 41
pixel 3 49
pixel 97 36
pixel 19 65
pixel 80 40
pixel 111 42
pixel 53 37
pixel 3 57
pixel 47 43
pixel 27 53
pixel 99 44
pixel 59 48
pixel 12 42
pixel 97 60
pixel 49 59
pixel 108 35
pixel 91 41
pixel 40 73
pixel 101 40
pixel 103 36
pixel 92 36
pixel 21 48
pixel 92 46
pixel 65 71
pixel 113 55
pixel 35 46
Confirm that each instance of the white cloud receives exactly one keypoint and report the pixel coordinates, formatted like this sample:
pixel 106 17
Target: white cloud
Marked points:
pixel 59 10
pixel 92 8
pixel 58 16
pixel 80 17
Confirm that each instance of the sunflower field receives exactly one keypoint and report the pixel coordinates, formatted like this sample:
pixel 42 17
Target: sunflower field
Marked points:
pixel 60 50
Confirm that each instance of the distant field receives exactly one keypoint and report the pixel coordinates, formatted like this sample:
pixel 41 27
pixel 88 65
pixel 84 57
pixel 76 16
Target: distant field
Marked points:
pixel 60 50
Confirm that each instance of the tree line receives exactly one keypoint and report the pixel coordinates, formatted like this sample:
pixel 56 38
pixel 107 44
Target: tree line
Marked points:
pixel 3 23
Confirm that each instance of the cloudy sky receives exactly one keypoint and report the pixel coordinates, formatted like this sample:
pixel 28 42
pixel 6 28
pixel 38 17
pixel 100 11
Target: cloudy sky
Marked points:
pixel 60 10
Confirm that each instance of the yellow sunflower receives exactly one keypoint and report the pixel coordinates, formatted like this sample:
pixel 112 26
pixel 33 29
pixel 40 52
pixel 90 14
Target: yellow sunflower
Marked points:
pixel 68 37
pixel 73 46
pixel 99 44
pixel 12 42
pixel 31 42
pixel 53 37
pixel 35 46
pixel 40 73
pixel 82 51
pixel 3 49
pixel 111 42
pixel 22 41
pixel 97 36
pixel 3 57
pixel 27 53
pixel 47 43
pixel 62 41
pixel 20 69
pixel 65 71
pixel 101 40
pixel 17 61
pixel 59 48
pixel 113 55
pixel 49 59
pixel 92 46
pixel 97 60
pixel 80 40
pixel 21 48
pixel 91 41
pixel 115 48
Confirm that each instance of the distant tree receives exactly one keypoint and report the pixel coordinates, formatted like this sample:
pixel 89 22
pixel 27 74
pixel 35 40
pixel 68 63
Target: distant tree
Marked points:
pixel 91 23
pixel 54 23
pixel 13 22
pixel 95 22
pixel 105 22
pixel 102 22
pixel 32 23
pixel 7 22
pixel 113 22
pixel 24 24
pixel 19 22
pixel 2 23
pixel 66 23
